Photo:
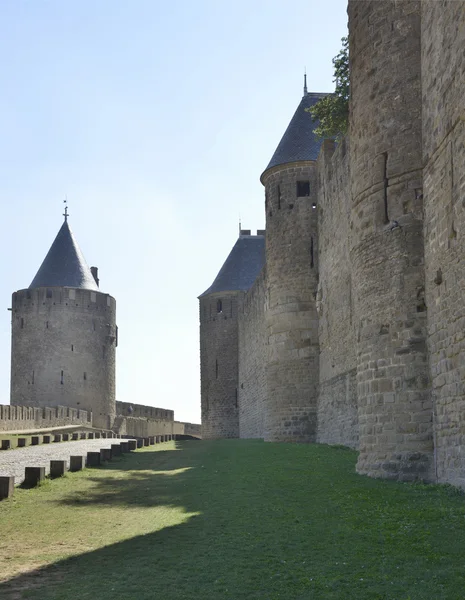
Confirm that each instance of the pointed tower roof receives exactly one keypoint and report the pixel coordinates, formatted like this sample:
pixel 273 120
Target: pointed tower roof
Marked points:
pixel 65 265
pixel 244 263
pixel 299 142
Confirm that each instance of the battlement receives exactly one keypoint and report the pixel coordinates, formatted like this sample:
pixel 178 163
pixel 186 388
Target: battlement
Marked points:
pixel 248 232
pixel 61 297
pixel 17 418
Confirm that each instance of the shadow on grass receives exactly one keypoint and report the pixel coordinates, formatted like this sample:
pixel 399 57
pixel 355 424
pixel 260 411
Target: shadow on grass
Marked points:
pixel 263 522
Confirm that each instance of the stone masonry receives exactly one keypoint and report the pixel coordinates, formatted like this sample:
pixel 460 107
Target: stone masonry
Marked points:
pixel 353 330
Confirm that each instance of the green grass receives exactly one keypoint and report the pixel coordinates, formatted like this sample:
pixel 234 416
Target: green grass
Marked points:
pixel 232 519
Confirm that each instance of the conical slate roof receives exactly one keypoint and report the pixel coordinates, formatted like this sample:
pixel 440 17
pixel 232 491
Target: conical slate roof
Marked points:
pixel 65 265
pixel 299 142
pixel 244 263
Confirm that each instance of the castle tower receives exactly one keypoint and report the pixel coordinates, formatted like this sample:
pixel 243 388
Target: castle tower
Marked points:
pixel 292 276
pixel 64 336
pixel 387 251
pixel 219 336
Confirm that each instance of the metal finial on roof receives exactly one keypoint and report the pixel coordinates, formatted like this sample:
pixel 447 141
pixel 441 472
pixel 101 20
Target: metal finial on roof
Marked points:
pixel 65 214
pixel 305 82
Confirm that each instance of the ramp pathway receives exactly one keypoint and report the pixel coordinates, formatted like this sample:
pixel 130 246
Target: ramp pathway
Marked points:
pixel 13 462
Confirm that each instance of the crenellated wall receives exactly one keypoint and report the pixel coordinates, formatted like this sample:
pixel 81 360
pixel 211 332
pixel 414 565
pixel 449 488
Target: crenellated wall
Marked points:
pixel 252 360
pixel 337 402
pixel 29 418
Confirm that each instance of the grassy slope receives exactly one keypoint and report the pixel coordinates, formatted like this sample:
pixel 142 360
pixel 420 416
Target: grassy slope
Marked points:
pixel 233 519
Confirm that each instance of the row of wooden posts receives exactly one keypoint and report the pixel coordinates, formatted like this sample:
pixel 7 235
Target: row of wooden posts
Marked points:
pixel 34 475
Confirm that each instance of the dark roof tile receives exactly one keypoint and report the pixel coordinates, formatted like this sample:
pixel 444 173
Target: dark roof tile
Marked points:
pixel 241 268
pixel 65 265
pixel 299 142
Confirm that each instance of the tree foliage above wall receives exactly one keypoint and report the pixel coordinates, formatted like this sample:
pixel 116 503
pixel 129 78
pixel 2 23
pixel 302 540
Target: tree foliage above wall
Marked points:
pixel 332 112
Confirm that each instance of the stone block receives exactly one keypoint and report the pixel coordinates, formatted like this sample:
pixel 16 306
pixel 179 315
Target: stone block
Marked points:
pixel 132 445
pixel 105 454
pixel 46 439
pixel 57 468
pixel 57 437
pixel 35 440
pixel 140 443
pixel 146 441
pixel 90 436
pixel 151 440
pixel 22 442
pixel 93 459
pixel 6 444
pixel 76 463
pixel 116 450
pixel 124 447
pixel 75 436
pixel 7 486
pixel 66 437
pixel 33 476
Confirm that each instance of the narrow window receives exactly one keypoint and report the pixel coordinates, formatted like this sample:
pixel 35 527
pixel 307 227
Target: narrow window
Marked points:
pixel 22 323
pixel 313 205
pixel 231 309
pixel 236 399
pixel 311 253
pixel 85 376
pixel 46 324
pixel 386 184
pixel 303 188
pixel 72 348
pixel 93 323
pixel 32 377
pixel 116 335
pixel 49 294
pixel 219 306
pixel 279 196
pixel 61 380
pixel 216 368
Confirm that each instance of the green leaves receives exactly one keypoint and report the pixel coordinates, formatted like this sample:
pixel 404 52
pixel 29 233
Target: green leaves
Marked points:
pixel 332 112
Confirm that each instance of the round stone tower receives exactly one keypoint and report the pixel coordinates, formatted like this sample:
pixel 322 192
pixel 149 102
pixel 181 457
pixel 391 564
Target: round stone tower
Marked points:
pixel 292 278
pixel 64 336
pixel 219 339
pixel 394 402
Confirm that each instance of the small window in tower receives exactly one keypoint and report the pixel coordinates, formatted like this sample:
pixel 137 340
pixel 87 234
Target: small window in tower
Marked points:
pixel 219 306
pixel 303 188
pixel 279 196
pixel 61 380
pixel 46 324
pixel 49 294
pixel 72 348
pixel 216 369
pixel 32 377
pixel 22 323
pixel 313 205
pixel 85 376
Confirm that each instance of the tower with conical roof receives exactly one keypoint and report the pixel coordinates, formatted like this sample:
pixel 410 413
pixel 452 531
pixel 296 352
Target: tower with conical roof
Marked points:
pixel 64 336
pixel 219 336
pixel 292 277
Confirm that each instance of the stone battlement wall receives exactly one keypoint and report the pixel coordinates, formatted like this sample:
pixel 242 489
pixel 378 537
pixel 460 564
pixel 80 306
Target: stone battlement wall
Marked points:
pixel 22 418
pixel 252 359
pixel 129 409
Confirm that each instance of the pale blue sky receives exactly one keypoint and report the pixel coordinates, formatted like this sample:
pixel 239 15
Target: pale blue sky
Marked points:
pixel 156 119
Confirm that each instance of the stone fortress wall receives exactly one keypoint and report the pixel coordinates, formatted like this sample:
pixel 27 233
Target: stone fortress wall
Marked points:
pixel 63 350
pixel 389 265
pixel 28 418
